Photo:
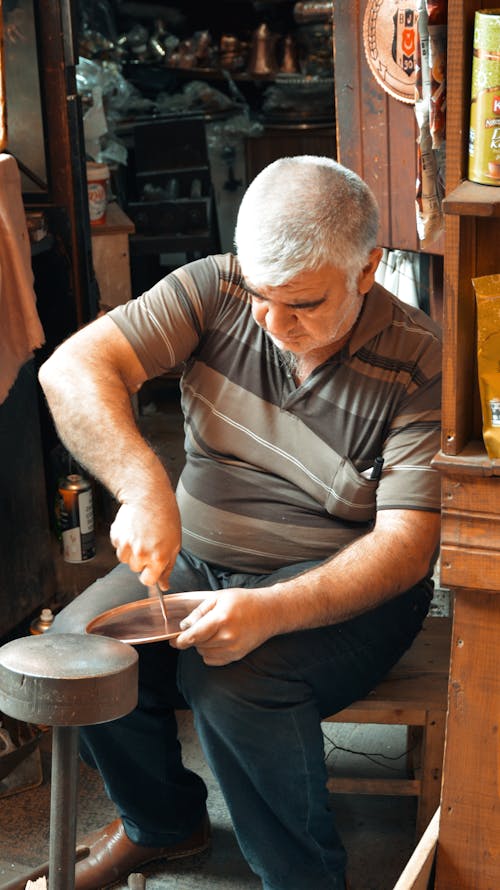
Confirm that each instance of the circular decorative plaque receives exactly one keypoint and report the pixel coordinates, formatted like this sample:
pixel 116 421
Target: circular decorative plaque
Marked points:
pixel 390 38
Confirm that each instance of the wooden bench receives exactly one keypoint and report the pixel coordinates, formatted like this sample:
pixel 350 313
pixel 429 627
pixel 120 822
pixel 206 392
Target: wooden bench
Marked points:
pixel 414 694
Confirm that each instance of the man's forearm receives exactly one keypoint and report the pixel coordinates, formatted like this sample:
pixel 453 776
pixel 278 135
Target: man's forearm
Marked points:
pixel 369 571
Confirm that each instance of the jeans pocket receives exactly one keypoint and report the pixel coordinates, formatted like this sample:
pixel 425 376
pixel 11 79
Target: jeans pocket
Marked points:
pixel 351 496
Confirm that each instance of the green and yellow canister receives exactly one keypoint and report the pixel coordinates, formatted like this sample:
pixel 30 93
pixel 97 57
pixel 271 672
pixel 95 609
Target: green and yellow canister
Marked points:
pixel 484 133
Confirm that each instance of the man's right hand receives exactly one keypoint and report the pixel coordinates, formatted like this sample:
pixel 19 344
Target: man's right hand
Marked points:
pixel 147 536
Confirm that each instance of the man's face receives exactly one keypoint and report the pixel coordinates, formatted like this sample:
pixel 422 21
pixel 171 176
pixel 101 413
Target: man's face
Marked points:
pixel 311 312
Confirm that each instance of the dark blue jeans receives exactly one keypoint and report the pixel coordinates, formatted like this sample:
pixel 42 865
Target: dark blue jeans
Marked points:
pixel 258 721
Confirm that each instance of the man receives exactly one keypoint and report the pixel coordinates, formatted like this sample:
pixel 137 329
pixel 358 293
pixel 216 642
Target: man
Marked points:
pixel 307 514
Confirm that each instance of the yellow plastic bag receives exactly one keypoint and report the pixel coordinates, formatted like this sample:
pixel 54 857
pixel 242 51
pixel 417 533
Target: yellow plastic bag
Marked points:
pixel 487 289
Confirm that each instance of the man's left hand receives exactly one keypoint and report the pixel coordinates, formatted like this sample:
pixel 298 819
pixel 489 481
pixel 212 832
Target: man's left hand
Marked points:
pixel 226 626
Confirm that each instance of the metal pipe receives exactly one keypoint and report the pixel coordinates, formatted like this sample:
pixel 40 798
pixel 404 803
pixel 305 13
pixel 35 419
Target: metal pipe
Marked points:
pixel 63 802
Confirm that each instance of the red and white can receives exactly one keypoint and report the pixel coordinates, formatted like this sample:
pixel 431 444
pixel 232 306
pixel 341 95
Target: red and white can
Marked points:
pixel 97 186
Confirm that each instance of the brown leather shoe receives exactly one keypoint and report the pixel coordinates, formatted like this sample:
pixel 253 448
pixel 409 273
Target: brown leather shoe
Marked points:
pixel 113 856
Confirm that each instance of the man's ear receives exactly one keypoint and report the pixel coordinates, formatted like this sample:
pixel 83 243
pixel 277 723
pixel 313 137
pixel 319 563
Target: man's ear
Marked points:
pixel 367 275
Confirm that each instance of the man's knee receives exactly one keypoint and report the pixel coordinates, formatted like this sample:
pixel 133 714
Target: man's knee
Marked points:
pixel 118 587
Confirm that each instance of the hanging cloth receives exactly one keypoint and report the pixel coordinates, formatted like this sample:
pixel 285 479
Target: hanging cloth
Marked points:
pixel 20 328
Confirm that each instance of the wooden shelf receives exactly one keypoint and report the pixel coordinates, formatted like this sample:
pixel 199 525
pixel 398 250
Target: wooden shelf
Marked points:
pixel 116 222
pixel 111 257
pixel 472 461
pixel 473 199
pixel 173 171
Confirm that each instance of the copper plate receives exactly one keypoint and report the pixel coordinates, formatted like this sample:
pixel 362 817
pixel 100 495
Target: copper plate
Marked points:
pixel 142 621
pixel 390 38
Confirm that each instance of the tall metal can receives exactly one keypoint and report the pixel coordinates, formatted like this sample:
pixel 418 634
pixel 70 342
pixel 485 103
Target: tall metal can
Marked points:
pixel 76 519
pixel 484 132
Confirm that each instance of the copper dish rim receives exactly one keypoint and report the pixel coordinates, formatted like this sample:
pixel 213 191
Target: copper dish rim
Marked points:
pixel 130 608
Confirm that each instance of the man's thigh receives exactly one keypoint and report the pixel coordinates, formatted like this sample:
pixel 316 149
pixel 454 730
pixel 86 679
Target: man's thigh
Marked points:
pixel 343 662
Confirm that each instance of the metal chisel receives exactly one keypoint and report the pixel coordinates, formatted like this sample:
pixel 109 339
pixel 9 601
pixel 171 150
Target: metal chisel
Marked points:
pixel 155 590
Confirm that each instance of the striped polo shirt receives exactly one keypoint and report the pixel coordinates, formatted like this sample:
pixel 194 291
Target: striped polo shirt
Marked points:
pixel 275 472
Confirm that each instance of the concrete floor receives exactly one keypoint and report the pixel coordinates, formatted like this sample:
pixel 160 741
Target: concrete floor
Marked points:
pixel 378 832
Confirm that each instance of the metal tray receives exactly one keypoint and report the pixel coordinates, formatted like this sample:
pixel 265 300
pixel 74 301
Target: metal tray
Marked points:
pixel 142 621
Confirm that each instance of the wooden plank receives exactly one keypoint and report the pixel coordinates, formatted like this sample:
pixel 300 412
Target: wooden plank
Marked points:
pixel 347 51
pixel 488 244
pixel 111 261
pixel 459 377
pixel 279 141
pixel 472 461
pixel 375 138
pixel 402 163
pixel 459 45
pixel 436 288
pixel 473 199
pixel 470 567
pixel 62 126
pixel 417 873
pixel 473 496
pixel 384 787
pixel 470 532
pixel 469 838
pixel 374 712
pixel 431 769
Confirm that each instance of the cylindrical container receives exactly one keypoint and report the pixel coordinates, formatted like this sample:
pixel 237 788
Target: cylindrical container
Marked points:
pixel 76 516
pixel 43 622
pixel 484 133
pixel 97 185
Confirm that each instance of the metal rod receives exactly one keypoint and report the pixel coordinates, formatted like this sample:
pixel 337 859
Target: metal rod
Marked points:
pixel 63 800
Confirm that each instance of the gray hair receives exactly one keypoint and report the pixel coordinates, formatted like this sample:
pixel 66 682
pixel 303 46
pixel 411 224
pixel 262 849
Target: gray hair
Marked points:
pixel 301 213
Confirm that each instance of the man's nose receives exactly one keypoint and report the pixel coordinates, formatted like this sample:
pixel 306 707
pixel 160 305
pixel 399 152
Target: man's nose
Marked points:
pixel 279 318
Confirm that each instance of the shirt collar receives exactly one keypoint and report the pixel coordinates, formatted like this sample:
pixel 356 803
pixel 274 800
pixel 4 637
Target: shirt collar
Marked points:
pixel 376 315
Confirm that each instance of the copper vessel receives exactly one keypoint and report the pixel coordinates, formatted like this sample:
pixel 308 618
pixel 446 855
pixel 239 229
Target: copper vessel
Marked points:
pixel 262 52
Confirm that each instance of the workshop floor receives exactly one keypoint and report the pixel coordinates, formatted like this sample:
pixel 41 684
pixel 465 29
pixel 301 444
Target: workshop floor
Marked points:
pixel 378 832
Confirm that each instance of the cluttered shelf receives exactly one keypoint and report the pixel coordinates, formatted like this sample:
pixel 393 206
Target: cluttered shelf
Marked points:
pixel 226 60
pixel 214 73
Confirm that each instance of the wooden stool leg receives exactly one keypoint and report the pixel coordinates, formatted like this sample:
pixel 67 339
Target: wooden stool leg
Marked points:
pixel 432 768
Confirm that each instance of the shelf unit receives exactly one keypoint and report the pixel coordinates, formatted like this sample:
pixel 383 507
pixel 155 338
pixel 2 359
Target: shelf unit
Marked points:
pixel 468 853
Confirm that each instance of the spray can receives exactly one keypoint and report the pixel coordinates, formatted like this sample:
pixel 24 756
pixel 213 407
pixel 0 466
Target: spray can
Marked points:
pixel 76 519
